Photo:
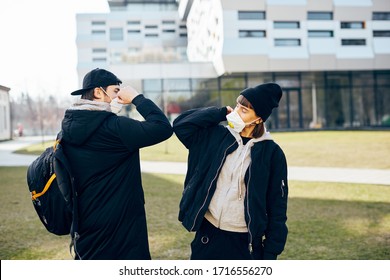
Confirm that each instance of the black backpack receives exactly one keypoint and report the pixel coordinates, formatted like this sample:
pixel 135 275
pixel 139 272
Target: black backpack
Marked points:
pixel 52 189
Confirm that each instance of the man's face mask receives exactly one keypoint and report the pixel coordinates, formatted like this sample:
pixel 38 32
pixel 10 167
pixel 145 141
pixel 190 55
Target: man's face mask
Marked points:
pixel 115 106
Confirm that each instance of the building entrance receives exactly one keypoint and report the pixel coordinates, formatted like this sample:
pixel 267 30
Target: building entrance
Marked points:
pixel 289 113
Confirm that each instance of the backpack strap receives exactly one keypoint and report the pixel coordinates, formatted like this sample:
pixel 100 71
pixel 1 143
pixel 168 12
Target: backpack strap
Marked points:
pixel 34 194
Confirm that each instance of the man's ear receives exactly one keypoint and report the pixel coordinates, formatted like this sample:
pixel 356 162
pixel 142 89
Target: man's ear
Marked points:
pixel 97 93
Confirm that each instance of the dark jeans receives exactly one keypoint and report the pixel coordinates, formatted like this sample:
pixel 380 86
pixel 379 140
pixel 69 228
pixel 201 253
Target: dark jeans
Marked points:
pixel 211 243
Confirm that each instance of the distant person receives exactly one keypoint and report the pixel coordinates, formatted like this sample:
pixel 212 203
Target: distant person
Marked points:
pixel 103 150
pixel 20 130
pixel 235 193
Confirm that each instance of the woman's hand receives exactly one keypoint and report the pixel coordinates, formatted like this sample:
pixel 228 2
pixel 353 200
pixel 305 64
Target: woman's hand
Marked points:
pixel 229 109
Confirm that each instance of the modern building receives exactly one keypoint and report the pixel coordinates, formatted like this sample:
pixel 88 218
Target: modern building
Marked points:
pixel 331 57
pixel 5 114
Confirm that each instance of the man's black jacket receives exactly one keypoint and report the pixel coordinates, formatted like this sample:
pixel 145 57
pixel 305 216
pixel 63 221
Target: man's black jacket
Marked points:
pixel 103 150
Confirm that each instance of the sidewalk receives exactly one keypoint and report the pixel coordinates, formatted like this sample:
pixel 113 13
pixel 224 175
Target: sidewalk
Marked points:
pixel 314 174
pixel 8 158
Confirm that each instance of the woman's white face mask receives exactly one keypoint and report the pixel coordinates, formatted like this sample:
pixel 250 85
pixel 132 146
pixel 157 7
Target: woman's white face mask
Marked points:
pixel 115 106
pixel 236 123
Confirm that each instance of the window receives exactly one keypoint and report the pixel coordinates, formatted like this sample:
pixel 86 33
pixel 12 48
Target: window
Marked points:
pixel 176 84
pixel 320 33
pixel 151 35
pixel 150 26
pixel 168 22
pixel 251 33
pixel 152 85
pixel 98 32
pixel 251 15
pixel 99 50
pixel 169 30
pixel 116 34
pixel 287 42
pixel 98 22
pixel 133 22
pixel 184 35
pixel 99 59
pixel 381 16
pixel 352 25
pixel 320 15
pixel 353 42
pixel 381 33
pixel 286 24
pixel 133 31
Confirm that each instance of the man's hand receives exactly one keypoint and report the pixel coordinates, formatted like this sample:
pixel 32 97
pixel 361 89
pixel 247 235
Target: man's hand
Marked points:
pixel 127 94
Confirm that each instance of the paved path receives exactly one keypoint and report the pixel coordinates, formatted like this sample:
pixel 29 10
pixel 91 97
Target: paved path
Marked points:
pixel 8 158
pixel 316 174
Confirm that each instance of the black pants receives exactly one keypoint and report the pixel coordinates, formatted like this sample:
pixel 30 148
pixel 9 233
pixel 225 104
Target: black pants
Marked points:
pixel 211 243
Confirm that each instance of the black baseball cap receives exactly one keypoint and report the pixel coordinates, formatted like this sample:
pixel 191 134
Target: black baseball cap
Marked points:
pixel 97 78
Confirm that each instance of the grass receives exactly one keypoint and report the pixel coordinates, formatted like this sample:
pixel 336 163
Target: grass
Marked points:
pixel 349 149
pixel 22 236
pixel 326 221
pixel 352 149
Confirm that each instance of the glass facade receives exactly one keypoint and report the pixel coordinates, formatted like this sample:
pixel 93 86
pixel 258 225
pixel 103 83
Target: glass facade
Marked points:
pixel 311 100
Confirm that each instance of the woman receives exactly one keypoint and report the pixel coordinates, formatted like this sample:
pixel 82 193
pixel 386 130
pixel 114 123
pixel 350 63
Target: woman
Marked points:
pixel 235 193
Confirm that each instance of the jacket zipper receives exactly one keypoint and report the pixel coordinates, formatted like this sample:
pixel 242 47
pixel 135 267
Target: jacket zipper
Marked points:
pixel 250 246
pixel 208 190
pixel 281 187
pixel 239 178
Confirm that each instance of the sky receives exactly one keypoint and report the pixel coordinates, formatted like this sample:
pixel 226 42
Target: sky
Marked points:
pixel 38 52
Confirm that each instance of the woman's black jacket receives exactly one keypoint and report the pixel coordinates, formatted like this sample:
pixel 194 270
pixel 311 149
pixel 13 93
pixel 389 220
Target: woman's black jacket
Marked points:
pixel 265 201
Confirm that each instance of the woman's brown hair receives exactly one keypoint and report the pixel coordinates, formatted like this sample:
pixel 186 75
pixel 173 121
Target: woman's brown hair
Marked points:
pixel 258 131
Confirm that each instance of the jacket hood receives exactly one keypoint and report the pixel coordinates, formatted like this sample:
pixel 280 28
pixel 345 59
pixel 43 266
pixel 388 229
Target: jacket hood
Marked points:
pixel 79 125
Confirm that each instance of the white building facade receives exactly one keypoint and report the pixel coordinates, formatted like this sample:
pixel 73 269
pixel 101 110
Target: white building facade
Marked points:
pixel 331 57
pixel 5 114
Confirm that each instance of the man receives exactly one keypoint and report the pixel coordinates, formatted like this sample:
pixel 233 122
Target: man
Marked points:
pixel 103 150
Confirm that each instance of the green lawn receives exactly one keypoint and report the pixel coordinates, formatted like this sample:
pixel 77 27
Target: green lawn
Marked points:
pixel 326 221
pixel 352 149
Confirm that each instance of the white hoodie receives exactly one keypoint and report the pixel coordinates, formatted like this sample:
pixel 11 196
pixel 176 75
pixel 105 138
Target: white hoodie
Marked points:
pixel 226 209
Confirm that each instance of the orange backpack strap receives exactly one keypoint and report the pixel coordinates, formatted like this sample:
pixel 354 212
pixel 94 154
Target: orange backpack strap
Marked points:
pixel 35 195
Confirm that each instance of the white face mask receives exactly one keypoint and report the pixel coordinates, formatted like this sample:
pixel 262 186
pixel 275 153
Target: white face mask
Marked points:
pixel 236 123
pixel 115 106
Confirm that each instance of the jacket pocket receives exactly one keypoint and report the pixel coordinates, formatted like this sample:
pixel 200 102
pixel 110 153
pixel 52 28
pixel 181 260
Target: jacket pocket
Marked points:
pixel 189 191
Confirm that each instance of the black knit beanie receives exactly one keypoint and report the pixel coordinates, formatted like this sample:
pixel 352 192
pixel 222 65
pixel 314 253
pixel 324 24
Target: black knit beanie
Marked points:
pixel 263 98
